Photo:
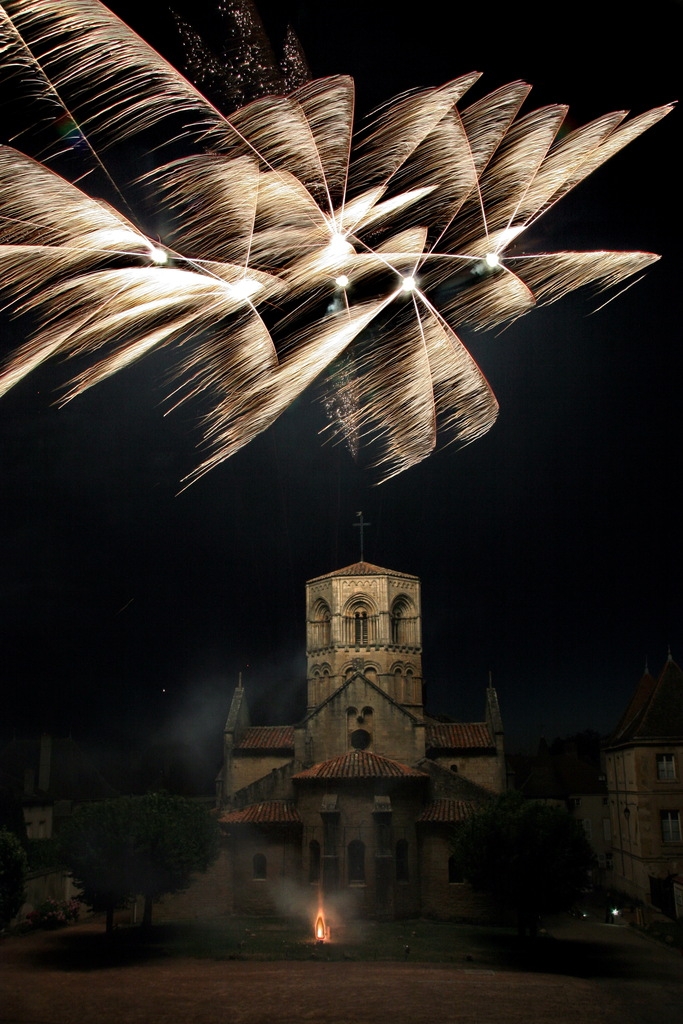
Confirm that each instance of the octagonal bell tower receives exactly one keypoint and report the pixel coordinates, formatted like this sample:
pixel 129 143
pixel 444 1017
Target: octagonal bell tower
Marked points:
pixel 365 618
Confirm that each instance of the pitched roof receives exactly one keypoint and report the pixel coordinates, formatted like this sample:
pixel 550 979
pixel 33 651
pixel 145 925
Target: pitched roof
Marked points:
pixel 265 738
pixel 359 764
pixel 455 736
pixel 655 712
pixel 639 700
pixel 270 812
pixel 363 569
pixel 446 811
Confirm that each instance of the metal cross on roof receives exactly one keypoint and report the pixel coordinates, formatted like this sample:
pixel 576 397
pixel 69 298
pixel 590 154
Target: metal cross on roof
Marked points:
pixel 361 526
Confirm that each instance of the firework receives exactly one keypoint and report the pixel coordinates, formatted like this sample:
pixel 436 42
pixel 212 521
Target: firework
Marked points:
pixel 288 247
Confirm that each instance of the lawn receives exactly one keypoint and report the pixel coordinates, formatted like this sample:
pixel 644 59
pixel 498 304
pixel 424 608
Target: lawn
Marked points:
pixel 248 938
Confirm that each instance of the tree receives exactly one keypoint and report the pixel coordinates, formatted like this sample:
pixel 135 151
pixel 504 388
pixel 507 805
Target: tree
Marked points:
pixel 148 845
pixel 530 856
pixel 12 876
pixel 175 838
pixel 97 846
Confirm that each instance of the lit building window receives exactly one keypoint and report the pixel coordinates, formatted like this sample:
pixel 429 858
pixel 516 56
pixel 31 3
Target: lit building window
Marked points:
pixel 666 767
pixel 671 826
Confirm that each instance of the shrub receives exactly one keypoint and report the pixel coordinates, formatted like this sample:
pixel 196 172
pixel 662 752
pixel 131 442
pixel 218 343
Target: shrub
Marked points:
pixel 54 913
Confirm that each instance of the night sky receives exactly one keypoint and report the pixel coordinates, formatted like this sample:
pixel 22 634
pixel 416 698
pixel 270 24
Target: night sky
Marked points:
pixel 549 551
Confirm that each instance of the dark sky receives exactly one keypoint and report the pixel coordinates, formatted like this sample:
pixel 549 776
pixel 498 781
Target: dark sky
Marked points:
pixel 549 551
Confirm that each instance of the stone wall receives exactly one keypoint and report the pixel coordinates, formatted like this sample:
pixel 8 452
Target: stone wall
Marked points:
pixel 444 900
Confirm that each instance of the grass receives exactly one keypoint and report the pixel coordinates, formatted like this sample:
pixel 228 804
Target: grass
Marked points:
pixel 468 947
pixel 248 938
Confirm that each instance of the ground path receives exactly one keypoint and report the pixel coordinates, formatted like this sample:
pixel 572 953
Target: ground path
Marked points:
pixel 586 973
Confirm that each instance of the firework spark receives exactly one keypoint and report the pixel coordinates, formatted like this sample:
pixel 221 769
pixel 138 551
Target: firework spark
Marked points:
pixel 289 247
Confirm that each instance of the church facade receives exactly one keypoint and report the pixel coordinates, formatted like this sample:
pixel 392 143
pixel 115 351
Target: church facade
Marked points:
pixel 354 806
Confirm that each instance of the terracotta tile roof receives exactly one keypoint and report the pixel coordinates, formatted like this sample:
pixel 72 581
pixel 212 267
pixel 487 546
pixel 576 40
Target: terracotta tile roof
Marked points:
pixel 360 764
pixel 446 811
pixel 270 812
pixel 458 736
pixel 268 737
pixel 364 569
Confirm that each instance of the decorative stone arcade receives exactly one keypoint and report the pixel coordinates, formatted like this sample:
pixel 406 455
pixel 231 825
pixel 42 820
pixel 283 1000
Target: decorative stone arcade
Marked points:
pixel 364 618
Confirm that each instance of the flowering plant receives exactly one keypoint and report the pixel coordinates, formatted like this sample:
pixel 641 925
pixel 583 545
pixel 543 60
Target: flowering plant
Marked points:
pixel 54 913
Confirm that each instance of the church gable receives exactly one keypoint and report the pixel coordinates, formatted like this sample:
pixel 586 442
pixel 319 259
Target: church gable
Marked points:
pixel 361 716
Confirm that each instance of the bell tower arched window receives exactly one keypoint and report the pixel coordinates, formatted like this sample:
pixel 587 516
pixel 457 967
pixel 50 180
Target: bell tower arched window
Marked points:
pixel 396 624
pixel 325 628
pixel 361 628
pixel 320 626
pixel 402 622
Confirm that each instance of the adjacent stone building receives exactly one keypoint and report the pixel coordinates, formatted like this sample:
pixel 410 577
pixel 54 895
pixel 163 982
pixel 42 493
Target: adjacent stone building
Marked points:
pixel 644 761
pixel 44 780
pixel 565 779
pixel 354 805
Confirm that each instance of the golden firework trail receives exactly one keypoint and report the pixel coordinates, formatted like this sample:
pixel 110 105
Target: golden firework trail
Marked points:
pixel 288 242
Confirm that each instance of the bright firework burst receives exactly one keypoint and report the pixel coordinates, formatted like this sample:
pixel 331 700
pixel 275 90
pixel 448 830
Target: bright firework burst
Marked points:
pixel 289 247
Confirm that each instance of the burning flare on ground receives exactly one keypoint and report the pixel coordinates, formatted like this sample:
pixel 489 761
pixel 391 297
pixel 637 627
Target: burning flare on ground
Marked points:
pixel 322 932
pixel 283 246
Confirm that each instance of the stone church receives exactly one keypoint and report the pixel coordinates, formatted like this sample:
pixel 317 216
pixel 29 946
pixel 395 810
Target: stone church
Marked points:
pixel 354 805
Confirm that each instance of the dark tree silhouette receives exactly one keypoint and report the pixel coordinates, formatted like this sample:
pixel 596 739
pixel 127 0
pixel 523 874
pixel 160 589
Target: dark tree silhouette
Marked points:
pixel 148 845
pixel 531 857
pixel 12 875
